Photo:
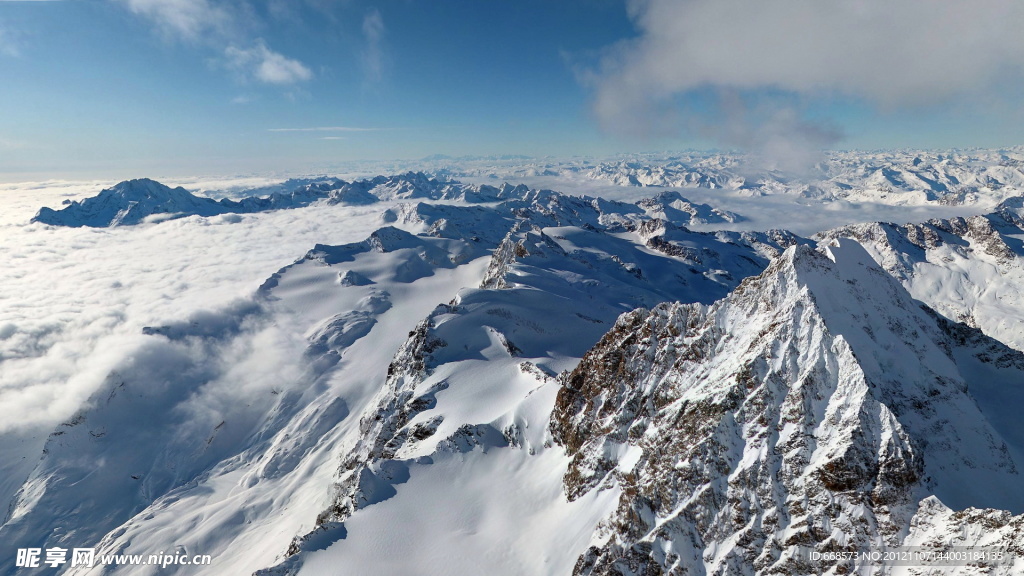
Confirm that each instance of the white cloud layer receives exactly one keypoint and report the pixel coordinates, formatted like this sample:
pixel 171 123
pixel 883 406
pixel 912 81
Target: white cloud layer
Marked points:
pixel 890 53
pixel 76 299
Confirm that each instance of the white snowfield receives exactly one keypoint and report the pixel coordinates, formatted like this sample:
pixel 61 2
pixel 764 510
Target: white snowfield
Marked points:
pixel 460 378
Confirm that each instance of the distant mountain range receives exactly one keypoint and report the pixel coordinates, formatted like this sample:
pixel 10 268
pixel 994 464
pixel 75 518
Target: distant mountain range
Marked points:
pixel 137 201
pixel 912 177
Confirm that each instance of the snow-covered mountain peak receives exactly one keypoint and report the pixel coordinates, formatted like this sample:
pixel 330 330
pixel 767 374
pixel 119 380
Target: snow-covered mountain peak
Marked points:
pixel 811 409
pixel 751 397
pixel 141 188
pixel 969 269
pixel 129 202
pixel 137 201
pixel 672 206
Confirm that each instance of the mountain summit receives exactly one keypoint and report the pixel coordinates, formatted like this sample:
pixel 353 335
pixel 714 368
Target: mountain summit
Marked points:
pixel 817 408
pixel 129 202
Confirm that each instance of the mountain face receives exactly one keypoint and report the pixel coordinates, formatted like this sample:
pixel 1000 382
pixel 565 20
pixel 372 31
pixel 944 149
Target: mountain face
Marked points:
pixel 136 201
pixel 816 408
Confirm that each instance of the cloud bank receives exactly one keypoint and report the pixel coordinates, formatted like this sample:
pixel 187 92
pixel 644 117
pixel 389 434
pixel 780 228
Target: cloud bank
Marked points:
pixel 887 53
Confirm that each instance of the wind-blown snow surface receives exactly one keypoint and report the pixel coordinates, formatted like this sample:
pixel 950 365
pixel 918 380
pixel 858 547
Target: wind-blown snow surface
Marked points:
pixel 404 370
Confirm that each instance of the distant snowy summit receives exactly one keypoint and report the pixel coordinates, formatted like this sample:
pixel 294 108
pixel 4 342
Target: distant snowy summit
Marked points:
pixel 129 202
pixel 137 201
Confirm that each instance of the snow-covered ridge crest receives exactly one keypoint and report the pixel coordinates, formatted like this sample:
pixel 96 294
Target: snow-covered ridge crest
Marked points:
pixel 546 293
pixel 810 410
pixel 970 269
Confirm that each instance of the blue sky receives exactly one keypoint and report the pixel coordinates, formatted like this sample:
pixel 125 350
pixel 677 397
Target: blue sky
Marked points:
pixel 173 87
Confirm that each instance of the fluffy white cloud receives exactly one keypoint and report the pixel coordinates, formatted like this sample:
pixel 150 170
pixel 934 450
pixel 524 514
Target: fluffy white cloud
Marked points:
pixel 889 52
pixel 265 65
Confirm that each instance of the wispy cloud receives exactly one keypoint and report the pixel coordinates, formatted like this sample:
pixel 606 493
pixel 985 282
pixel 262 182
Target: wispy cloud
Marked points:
pixel 9 46
pixel 325 129
pixel 10 38
pixel 373 54
pixel 6 144
pixel 227 27
pixel 186 19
